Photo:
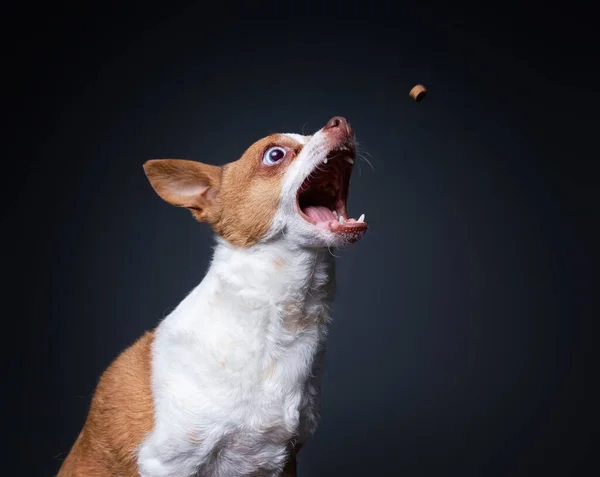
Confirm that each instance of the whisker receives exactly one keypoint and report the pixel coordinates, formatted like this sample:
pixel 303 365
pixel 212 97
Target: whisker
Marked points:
pixel 332 254
pixel 360 156
pixel 367 153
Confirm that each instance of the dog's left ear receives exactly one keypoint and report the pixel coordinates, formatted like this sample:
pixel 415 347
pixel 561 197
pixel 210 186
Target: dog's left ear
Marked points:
pixel 188 184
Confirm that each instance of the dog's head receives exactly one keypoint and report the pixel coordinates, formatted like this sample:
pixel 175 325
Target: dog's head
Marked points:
pixel 285 185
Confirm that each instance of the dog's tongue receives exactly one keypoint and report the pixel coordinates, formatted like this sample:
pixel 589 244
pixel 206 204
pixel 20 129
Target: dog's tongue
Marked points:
pixel 319 213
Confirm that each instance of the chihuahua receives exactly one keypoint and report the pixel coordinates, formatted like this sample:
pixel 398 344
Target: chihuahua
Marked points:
pixel 227 385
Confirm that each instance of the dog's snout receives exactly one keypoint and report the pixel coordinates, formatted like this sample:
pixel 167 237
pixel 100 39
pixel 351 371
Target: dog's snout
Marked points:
pixel 335 122
pixel 340 123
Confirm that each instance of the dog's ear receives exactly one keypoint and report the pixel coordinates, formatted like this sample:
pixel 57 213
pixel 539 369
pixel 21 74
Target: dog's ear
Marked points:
pixel 187 184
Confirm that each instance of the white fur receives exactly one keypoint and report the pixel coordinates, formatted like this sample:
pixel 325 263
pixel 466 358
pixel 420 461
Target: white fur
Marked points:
pixel 235 367
pixel 298 137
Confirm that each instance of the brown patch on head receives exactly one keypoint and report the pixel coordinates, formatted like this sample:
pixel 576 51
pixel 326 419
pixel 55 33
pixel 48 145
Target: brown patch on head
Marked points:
pixel 250 191
pixel 239 199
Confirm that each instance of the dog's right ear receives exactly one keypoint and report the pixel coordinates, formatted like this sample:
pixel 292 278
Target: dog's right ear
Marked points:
pixel 187 184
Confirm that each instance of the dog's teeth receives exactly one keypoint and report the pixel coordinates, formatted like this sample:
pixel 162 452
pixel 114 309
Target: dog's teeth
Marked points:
pixel 334 213
pixel 361 218
pixel 350 160
pixel 325 161
pixel 341 219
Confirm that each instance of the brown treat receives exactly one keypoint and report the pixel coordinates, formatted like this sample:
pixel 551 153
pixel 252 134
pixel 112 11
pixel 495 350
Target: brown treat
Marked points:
pixel 418 92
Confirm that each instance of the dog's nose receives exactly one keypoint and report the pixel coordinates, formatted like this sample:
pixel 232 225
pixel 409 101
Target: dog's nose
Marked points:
pixel 339 122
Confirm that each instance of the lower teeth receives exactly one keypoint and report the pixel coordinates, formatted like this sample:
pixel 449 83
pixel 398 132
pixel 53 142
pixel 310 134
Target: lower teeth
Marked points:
pixel 341 220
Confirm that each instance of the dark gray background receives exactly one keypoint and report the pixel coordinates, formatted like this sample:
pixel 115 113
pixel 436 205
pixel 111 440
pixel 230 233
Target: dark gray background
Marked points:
pixel 464 337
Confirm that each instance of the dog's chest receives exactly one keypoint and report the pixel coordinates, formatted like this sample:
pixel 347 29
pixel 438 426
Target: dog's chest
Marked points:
pixel 233 377
pixel 251 387
pixel 239 407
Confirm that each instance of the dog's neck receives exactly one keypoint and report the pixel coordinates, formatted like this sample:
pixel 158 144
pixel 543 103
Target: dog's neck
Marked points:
pixel 280 291
pixel 297 283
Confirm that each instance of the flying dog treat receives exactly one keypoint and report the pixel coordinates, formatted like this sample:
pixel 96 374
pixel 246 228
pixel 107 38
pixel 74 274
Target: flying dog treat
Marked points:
pixel 418 92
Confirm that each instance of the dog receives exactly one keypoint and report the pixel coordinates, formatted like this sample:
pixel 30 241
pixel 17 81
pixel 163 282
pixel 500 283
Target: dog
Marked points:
pixel 227 385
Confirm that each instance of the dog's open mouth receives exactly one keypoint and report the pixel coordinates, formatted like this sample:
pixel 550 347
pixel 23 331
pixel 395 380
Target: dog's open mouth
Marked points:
pixel 322 198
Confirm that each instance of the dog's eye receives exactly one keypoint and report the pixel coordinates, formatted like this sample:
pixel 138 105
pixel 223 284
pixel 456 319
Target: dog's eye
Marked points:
pixel 274 155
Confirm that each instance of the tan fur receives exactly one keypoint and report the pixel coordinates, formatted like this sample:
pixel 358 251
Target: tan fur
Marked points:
pixel 120 416
pixel 279 263
pixel 296 319
pixel 239 199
